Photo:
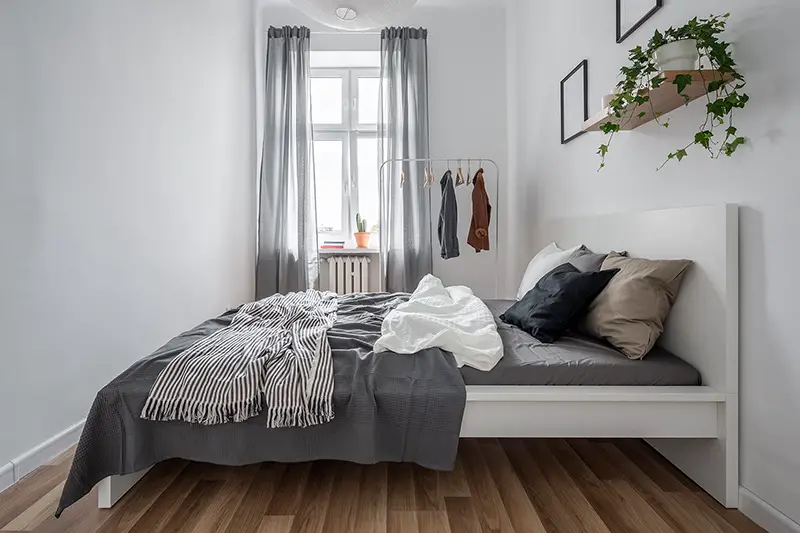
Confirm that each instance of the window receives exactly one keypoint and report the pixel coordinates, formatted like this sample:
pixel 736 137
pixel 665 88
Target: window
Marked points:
pixel 345 115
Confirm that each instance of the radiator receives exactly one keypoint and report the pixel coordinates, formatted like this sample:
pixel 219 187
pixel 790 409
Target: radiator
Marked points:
pixel 348 274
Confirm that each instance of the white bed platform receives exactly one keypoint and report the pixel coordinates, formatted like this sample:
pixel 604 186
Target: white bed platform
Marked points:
pixel 696 428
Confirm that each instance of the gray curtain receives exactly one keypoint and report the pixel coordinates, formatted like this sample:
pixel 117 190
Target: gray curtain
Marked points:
pixel 287 217
pixel 403 123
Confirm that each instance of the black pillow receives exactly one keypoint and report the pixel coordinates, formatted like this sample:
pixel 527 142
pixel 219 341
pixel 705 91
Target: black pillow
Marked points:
pixel 557 301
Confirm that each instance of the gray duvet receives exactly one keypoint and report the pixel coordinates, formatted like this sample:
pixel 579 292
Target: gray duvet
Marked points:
pixel 388 407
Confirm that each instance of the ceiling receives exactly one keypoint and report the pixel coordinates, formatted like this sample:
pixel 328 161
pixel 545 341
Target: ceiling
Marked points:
pixel 424 3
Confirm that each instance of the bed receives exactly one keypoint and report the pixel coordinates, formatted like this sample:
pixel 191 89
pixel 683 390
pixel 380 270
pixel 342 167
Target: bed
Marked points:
pixel 695 427
pixel 687 406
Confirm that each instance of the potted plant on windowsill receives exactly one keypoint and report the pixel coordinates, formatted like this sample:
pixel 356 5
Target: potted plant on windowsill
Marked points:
pixel 682 47
pixel 362 235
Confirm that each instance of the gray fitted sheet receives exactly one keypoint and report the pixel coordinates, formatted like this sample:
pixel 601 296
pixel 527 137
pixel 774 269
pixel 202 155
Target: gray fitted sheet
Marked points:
pixel 575 360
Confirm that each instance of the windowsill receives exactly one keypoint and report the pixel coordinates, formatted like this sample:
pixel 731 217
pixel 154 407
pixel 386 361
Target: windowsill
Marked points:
pixel 348 251
pixel 350 247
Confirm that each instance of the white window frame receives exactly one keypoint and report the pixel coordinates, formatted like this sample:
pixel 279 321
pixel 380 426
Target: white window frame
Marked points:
pixel 348 132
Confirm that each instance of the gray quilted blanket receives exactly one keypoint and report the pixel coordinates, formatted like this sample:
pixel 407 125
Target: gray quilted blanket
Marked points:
pixel 389 407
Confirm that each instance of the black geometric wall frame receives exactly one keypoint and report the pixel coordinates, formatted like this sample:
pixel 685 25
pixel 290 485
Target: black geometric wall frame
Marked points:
pixel 631 14
pixel 574 102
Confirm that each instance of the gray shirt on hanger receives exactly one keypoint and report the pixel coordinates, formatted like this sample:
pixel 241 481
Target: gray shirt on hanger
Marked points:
pixel 448 218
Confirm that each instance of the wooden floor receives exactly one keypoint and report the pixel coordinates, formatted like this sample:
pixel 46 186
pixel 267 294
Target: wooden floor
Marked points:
pixel 509 485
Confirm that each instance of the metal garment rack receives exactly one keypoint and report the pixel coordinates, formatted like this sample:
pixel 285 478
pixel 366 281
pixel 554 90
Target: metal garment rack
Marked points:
pixel 459 160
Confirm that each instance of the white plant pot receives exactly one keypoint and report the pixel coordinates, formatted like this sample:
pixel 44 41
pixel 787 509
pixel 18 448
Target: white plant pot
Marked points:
pixel 608 98
pixel 680 55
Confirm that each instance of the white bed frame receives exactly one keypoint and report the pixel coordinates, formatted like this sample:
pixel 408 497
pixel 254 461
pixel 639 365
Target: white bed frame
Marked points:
pixel 696 428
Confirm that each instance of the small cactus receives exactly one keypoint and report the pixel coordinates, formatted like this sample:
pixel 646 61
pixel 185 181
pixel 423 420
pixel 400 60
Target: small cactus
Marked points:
pixel 361 223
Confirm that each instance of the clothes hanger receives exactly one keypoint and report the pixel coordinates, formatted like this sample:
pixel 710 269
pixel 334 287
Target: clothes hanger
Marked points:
pixel 402 176
pixel 425 179
pixel 479 171
pixel 469 171
pixel 460 175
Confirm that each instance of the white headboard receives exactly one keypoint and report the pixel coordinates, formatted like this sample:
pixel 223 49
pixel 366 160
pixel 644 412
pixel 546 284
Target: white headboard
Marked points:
pixel 703 327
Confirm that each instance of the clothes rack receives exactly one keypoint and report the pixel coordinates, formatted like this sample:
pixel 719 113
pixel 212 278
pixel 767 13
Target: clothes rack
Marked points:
pixel 448 161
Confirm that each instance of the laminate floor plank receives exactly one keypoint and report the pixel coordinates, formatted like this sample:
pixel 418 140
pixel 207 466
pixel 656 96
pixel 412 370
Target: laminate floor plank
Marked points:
pixel 711 509
pixel 433 522
pixel 399 522
pixel 564 487
pixel 162 510
pixel 679 516
pixel 454 484
pixel 594 489
pixel 371 515
pixel 253 507
pixel 427 496
pixel 656 467
pixel 638 515
pixel 497 486
pixel 343 505
pixel 289 491
pixel 29 490
pixel 220 510
pixel 489 505
pixel 401 487
pixel 462 516
pixel 555 517
pixel 276 524
pixel 520 509
pixel 190 511
pixel 37 513
pixel 138 500
pixel 314 504
pixel 588 452
pixel 84 516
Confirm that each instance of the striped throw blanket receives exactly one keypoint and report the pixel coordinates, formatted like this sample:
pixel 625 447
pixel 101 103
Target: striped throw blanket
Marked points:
pixel 275 356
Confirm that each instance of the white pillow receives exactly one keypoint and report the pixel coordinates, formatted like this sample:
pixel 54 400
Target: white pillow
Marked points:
pixel 550 257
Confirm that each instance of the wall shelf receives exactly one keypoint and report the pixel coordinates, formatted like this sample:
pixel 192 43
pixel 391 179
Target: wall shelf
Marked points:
pixel 663 99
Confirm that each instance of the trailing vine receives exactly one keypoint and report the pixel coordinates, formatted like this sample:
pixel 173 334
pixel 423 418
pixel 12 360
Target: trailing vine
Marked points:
pixel 723 98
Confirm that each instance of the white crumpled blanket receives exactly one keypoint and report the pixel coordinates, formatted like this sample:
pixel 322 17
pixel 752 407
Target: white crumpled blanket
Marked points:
pixel 450 318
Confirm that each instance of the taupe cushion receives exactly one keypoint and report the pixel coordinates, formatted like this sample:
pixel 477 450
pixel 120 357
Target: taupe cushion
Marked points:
pixel 631 311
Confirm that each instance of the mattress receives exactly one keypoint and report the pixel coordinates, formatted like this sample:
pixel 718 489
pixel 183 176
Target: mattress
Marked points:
pixel 575 360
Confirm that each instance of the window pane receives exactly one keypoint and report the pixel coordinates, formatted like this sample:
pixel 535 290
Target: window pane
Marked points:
pixel 368 89
pixel 328 170
pixel 326 100
pixel 340 59
pixel 368 187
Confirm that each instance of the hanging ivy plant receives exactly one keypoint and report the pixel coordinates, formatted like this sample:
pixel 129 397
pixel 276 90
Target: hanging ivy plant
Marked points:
pixel 723 98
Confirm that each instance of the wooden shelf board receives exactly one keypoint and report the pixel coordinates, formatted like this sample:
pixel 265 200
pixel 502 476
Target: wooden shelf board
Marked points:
pixel 663 99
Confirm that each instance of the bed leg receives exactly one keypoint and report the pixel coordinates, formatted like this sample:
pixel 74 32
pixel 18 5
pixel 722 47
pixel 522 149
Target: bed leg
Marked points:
pixel 111 489
pixel 711 463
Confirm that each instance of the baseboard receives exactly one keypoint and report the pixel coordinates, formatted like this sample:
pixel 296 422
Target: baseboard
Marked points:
pixel 46 451
pixel 764 514
pixel 6 476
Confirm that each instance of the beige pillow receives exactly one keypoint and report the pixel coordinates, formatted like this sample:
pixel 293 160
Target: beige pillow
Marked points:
pixel 631 311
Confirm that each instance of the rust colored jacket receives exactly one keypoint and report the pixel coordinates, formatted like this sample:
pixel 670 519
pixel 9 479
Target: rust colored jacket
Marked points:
pixel 478 236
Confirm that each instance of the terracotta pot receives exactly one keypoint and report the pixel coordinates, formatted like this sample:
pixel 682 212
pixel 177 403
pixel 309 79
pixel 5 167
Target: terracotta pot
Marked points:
pixel 362 239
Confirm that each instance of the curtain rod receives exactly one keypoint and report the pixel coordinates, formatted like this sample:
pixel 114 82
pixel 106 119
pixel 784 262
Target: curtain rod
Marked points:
pixel 344 32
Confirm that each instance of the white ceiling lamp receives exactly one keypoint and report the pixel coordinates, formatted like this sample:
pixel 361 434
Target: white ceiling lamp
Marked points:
pixel 355 15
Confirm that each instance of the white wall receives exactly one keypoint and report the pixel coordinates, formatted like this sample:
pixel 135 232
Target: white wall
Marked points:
pixel 126 191
pixel 552 37
pixel 467 83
